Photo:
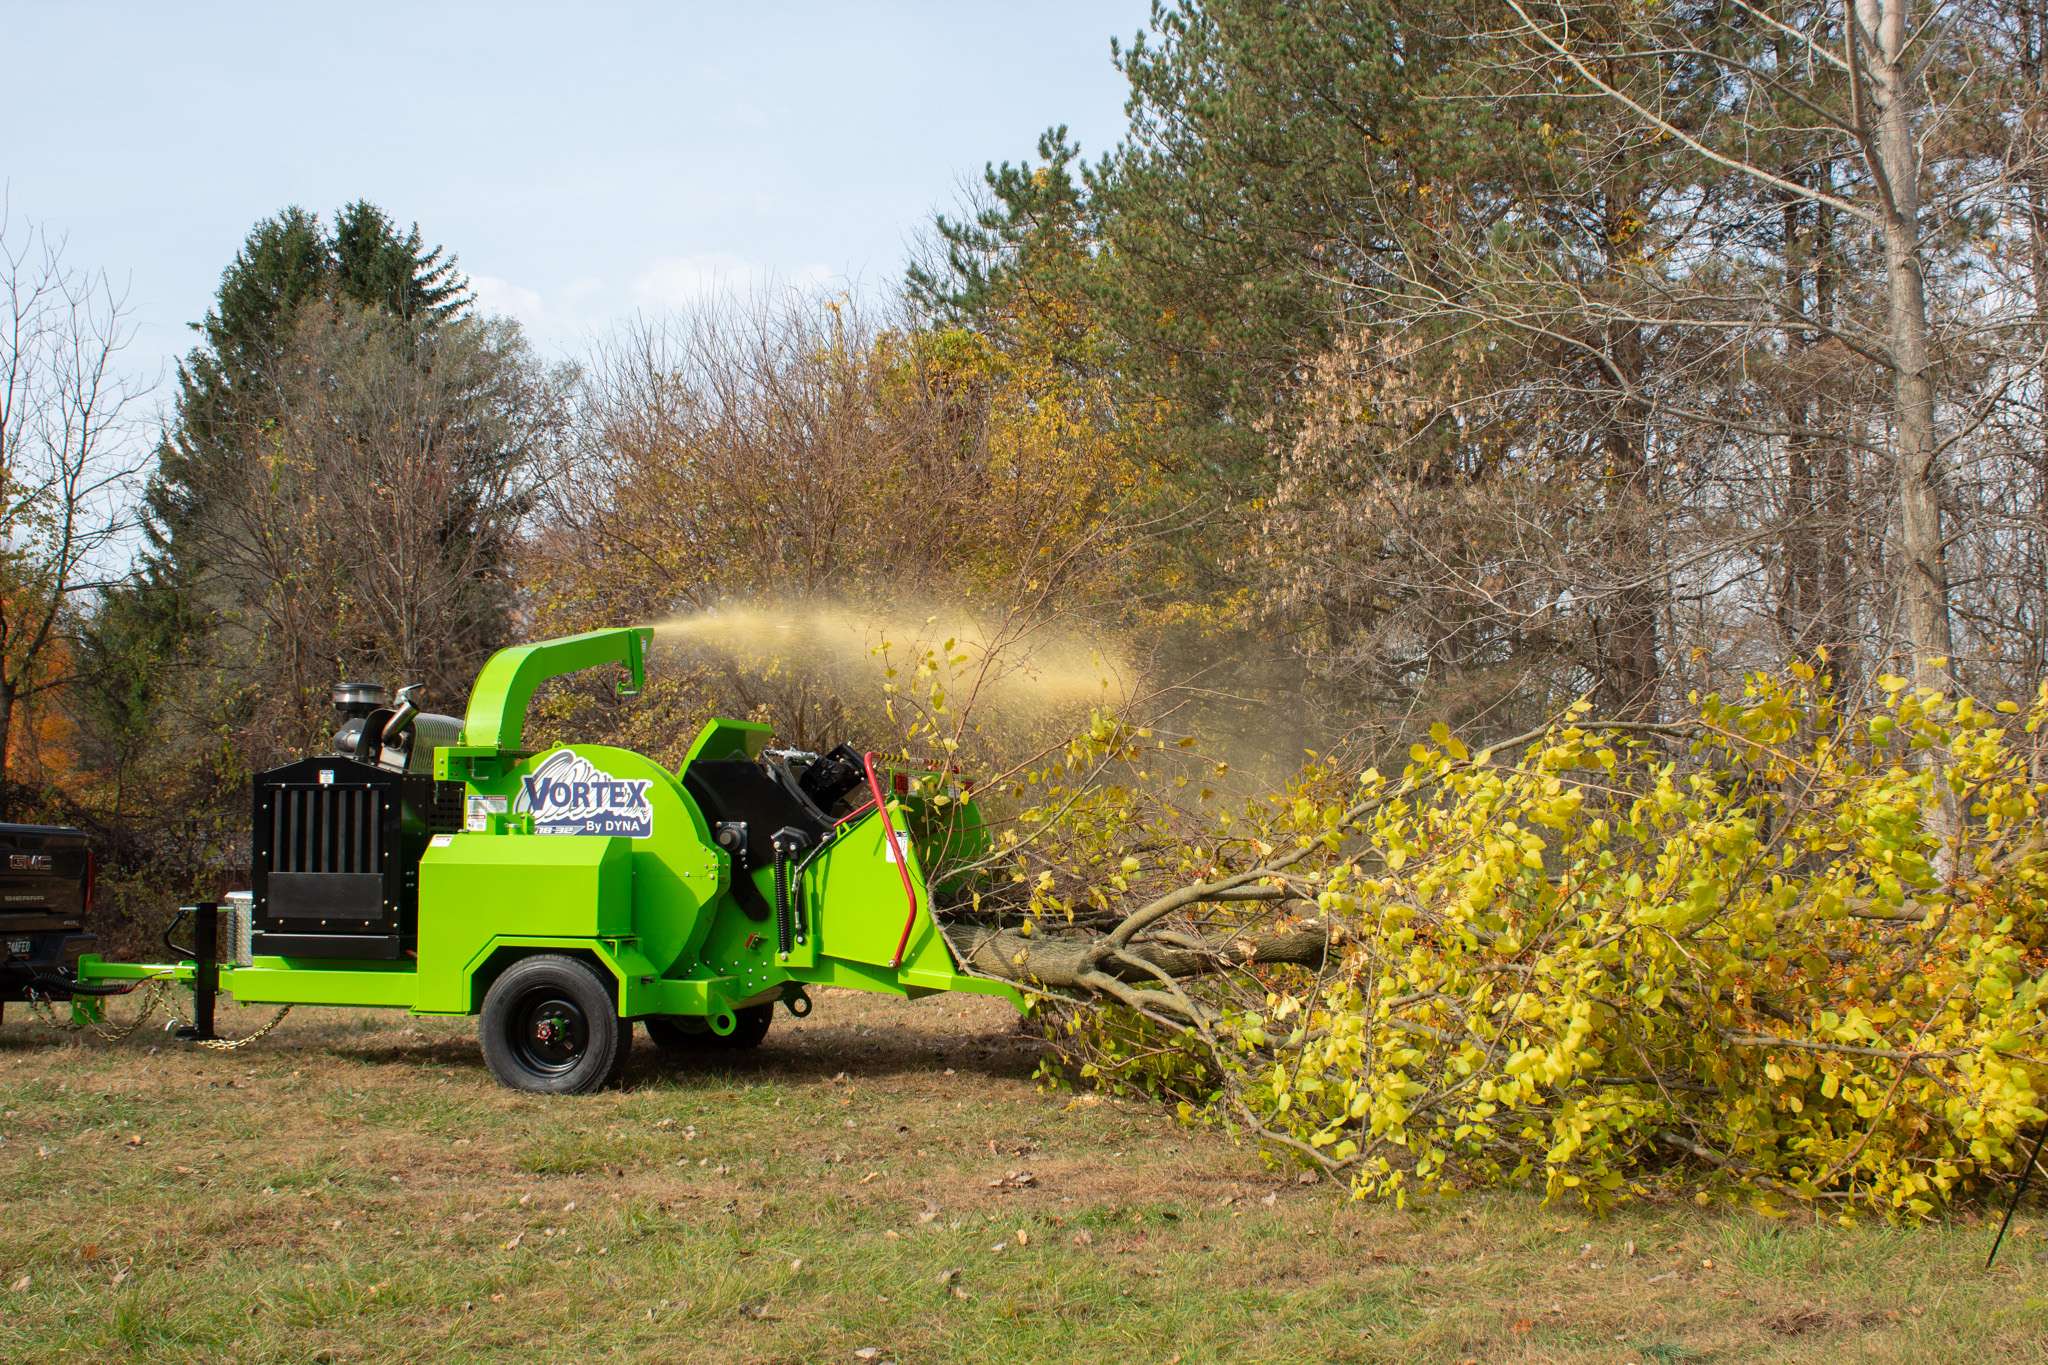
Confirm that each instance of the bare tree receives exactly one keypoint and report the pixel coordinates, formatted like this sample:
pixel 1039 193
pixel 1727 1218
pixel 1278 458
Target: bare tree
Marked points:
pixel 791 453
pixel 368 528
pixel 66 465
pixel 1853 83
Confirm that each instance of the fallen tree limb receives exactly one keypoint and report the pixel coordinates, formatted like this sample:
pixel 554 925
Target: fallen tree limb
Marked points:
pixel 1059 963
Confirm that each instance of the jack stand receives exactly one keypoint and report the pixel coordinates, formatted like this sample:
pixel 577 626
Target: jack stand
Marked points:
pixel 205 970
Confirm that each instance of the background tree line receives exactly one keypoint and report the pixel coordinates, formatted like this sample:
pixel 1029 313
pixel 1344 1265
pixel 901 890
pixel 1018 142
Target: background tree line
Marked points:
pixel 1530 351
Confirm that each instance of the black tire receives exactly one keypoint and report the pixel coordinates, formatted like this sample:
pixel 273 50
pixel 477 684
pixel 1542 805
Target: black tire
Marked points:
pixel 550 1026
pixel 686 1036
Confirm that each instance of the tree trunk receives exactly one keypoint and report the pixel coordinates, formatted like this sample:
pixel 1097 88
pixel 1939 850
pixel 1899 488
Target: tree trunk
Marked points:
pixel 1922 577
pixel 1630 665
pixel 1628 646
pixel 1839 582
pixel 2033 24
pixel 7 700
pixel 1799 610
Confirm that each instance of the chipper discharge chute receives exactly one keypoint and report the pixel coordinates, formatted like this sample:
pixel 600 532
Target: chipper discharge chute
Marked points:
pixel 562 894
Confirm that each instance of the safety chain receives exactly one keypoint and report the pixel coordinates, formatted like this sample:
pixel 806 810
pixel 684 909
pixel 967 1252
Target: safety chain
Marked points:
pixel 153 995
pixel 233 1044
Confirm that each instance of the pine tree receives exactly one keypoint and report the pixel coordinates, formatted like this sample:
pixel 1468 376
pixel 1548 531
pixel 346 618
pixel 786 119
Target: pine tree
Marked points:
pixel 377 266
pixel 285 261
pixel 1212 245
pixel 230 388
pixel 227 384
pixel 1034 216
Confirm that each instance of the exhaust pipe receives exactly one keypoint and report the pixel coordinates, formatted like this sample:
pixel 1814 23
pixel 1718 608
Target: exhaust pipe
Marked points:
pixel 394 749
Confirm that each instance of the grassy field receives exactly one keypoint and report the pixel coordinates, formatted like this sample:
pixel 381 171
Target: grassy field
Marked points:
pixel 881 1182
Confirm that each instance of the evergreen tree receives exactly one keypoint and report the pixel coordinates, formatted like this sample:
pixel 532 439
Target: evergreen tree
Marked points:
pixel 1217 241
pixel 285 261
pixel 231 393
pixel 227 384
pixel 375 265
pixel 1035 217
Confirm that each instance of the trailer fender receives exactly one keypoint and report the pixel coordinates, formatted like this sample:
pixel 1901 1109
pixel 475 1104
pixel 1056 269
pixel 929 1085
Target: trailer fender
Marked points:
pixel 637 987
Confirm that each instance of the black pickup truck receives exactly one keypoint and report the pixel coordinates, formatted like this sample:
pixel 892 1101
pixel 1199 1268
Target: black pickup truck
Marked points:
pixel 45 892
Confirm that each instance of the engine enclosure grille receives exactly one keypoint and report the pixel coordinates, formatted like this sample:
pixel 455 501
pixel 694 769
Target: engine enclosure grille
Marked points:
pixel 335 849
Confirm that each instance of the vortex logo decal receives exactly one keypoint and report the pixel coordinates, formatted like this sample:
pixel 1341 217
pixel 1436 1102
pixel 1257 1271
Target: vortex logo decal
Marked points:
pixel 568 794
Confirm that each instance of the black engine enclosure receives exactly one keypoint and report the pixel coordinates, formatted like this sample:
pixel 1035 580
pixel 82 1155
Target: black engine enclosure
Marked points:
pixel 335 854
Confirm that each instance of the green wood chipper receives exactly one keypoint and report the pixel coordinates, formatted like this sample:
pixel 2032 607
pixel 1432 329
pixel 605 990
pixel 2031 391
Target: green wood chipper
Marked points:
pixel 560 895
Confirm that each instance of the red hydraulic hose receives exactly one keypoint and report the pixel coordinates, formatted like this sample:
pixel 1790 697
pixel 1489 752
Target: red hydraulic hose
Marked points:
pixel 902 863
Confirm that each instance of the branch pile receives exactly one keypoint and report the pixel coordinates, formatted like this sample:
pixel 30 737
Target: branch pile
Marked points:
pixel 1780 950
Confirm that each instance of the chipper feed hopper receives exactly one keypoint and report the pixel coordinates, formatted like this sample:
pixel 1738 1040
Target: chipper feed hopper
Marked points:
pixel 562 894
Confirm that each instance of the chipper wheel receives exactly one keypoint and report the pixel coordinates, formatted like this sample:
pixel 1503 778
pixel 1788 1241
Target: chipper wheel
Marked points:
pixel 550 1026
pixel 685 1037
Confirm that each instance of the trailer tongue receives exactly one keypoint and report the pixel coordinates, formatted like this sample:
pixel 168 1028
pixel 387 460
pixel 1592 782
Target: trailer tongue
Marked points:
pixel 560 895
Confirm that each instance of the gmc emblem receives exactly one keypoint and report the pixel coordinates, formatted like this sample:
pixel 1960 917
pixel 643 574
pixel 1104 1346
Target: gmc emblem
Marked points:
pixel 29 862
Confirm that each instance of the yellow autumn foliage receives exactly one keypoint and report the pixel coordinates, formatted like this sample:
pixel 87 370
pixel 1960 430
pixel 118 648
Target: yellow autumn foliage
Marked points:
pixel 1780 949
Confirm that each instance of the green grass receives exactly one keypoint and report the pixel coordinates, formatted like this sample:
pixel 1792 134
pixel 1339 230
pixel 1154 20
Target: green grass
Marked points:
pixel 356 1188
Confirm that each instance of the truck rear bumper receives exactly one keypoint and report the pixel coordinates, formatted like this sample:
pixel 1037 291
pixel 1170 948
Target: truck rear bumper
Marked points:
pixel 42 960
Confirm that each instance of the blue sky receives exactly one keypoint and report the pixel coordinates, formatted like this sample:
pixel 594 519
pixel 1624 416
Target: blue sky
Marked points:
pixel 583 161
